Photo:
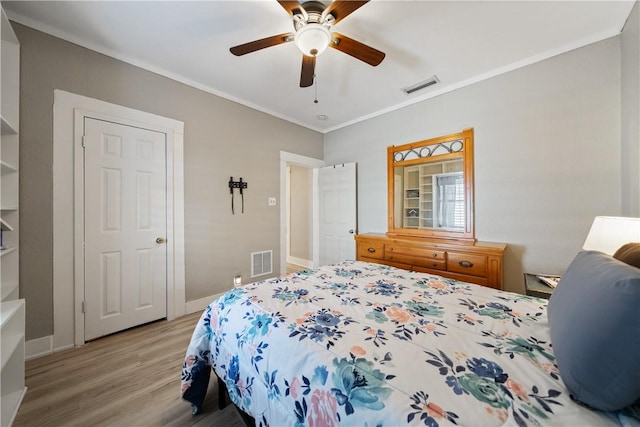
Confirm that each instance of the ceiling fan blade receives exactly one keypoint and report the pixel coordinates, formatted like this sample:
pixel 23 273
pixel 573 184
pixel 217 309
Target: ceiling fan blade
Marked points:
pixel 292 7
pixel 356 49
pixel 340 9
pixel 308 70
pixel 243 49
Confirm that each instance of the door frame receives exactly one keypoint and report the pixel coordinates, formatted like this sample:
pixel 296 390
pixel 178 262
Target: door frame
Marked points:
pixel 69 113
pixel 307 162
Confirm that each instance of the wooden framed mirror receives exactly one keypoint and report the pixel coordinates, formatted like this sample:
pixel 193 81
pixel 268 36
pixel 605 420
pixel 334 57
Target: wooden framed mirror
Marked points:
pixel 430 188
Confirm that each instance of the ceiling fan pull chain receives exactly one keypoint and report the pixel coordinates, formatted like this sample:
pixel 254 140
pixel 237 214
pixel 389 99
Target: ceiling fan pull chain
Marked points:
pixel 315 84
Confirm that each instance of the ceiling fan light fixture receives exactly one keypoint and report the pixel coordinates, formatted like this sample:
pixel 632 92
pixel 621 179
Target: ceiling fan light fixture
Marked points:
pixel 312 39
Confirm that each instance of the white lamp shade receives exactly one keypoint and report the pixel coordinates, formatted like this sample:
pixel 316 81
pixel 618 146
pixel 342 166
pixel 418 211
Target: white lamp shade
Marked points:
pixel 608 233
pixel 312 39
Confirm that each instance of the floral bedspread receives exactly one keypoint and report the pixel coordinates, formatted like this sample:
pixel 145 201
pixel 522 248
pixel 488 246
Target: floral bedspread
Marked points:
pixel 369 345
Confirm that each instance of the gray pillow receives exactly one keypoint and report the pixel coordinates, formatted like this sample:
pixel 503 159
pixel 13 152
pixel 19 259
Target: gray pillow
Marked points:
pixel 594 316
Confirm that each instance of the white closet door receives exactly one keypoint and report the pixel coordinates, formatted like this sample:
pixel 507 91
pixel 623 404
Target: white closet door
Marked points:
pixel 125 227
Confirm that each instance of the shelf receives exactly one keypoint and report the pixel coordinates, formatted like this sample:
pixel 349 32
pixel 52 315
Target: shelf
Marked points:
pixel 11 403
pixel 9 309
pixel 11 330
pixel 7 128
pixel 7 251
pixel 9 291
pixel 9 345
pixel 6 168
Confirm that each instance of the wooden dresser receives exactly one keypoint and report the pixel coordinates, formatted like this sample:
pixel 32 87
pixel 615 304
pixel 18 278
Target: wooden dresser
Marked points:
pixel 479 262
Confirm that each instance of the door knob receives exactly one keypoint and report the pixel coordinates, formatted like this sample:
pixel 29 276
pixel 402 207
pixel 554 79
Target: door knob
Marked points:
pixel 160 240
pixel 351 231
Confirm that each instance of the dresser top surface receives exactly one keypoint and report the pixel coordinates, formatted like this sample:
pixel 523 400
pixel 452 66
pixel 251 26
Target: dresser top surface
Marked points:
pixel 436 243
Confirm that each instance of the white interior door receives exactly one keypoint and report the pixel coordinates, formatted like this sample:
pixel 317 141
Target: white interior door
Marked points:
pixel 337 220
pixel 125 227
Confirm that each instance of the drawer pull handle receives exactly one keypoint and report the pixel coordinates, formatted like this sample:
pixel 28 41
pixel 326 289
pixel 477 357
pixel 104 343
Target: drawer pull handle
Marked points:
pixel 435 255
pixel 435 264
pixel 371 250
pixel 391 248
pixel 466 264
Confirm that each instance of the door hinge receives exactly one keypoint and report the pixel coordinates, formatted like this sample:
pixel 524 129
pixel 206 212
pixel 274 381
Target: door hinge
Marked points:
pixel 84 307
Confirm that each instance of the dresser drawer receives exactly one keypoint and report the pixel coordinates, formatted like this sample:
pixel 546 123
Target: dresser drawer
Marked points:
pixel 415 251
pixel 400 258
pixel 371 250
pixel 433 264
pixel 475 265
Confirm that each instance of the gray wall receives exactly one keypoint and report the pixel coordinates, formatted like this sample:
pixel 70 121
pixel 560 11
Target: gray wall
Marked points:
pixel 547 154
pixel 630 94
pixel 300 213
pixel 221 139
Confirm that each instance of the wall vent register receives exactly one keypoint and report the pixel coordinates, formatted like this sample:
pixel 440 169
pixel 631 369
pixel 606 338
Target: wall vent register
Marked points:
pixel 261 263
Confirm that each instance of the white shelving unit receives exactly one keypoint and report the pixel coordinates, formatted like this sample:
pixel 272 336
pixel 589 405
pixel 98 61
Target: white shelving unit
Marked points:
pixel 411 205
pixel 13 389
pixel 12 309
pixel 419 194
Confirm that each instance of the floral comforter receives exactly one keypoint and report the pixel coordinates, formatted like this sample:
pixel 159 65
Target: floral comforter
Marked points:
pixel 369 345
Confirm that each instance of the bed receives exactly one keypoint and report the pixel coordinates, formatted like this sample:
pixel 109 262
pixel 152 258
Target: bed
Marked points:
pixel 370 345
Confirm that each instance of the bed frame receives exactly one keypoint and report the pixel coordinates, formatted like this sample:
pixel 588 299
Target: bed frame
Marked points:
pixel 224 400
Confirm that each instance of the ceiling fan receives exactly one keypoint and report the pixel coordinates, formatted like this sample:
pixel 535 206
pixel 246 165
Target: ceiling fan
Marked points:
pixel 312 22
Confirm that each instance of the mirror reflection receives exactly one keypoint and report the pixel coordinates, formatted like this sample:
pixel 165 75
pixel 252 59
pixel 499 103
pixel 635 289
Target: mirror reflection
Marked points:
pixel 430 195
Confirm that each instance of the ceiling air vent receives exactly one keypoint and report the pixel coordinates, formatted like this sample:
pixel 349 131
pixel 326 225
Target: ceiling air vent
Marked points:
pixel 421 85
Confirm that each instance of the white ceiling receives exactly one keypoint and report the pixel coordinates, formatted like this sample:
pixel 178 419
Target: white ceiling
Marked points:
pixel 461 42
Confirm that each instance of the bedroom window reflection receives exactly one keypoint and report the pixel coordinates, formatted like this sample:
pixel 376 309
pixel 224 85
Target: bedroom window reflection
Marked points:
pixel 449 199
pixel 432 195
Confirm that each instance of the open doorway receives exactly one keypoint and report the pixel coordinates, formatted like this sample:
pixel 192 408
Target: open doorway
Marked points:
pixel 298 211
pixel 299 204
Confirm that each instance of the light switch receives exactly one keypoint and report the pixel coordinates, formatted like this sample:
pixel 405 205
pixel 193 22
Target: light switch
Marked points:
pixel 272 201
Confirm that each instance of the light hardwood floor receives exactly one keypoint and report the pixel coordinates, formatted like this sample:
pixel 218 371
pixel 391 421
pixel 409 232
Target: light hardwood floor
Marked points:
pixel 127 379
pixel 293 268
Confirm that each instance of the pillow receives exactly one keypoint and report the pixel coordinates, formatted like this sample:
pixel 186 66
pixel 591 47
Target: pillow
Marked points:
pixel 594 316
pixel 629 253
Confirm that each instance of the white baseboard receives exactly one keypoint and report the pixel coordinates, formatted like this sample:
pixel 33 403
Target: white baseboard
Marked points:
pixel 43 346
pixel 38 347
pixel 200 304
pixel 301 262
